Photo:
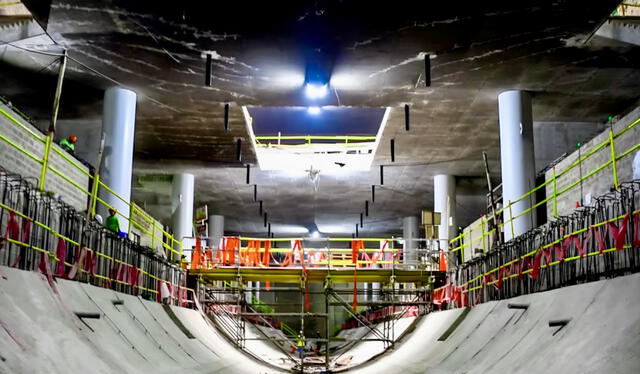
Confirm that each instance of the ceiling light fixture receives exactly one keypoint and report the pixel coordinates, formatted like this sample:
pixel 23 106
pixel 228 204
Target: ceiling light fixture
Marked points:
pixel 316 90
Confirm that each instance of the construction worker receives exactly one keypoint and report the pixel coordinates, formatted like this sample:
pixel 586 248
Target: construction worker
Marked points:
pixel 68 144
pixel 300 344
pixel 112 221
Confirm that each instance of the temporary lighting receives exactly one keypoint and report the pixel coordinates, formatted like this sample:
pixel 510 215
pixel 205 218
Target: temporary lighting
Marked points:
pixel 407 123
pixel 316 90
pixel 427 70
pixel 313 110
pixel 226 117
pixel 315 234
pixel 207 74
pixel 392 145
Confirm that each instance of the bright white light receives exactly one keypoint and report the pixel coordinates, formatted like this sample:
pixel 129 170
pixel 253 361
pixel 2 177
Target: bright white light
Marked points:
pixel 289 80
pixel 315 91
pixel 315 234
pixel 345 81
pixel 313 110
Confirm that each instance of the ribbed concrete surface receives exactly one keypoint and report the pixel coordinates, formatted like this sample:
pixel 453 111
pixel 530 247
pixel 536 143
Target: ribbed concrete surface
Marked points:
pixel 40 334
pixel 603 335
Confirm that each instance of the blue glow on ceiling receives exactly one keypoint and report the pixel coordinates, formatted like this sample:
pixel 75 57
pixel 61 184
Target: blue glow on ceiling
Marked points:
pixel 268 121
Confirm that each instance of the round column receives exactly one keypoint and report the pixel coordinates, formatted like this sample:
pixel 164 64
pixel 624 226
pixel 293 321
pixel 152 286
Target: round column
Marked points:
pixel 182 202
pixel 517 160
pixel 444 202
pixel 118 124
pixel 410 232
pixel 216 230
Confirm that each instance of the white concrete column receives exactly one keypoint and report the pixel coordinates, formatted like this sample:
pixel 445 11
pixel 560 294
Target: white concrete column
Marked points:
pixel 182 203
pixel 410 232
pixel 216 230
pixel 517 159
pixel 444 202
pixel 118 124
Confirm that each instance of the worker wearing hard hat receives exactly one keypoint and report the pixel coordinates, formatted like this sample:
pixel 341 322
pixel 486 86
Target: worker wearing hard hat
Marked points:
pixel 68 144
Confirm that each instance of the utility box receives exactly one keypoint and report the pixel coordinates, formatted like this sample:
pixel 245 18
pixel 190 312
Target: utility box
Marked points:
pixel 430 232
pixel 430 221
pixel 430 218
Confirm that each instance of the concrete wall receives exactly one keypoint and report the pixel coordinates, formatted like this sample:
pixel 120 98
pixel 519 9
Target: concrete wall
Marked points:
pixel 141 218
pixel 601 182
pixel 16 162
pixel 603 335
pixel 41 334
pixel 553 139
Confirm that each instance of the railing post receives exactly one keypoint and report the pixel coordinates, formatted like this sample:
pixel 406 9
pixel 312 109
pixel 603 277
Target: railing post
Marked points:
pixel 54 117
pixel 614 169
pixel 94 194
pixel 513 231
pixel 45 161
pixel 153 233
pixel 555 192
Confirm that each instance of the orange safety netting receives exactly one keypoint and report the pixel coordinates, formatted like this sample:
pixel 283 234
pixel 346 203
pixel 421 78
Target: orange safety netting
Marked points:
pixel 252 257
pixel 227 251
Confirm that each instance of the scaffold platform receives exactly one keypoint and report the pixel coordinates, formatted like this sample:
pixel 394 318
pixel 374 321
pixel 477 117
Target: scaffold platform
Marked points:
pixel 296 275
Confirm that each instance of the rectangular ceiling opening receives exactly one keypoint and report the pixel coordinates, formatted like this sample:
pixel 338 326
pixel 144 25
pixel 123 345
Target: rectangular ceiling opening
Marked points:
pixel 320 138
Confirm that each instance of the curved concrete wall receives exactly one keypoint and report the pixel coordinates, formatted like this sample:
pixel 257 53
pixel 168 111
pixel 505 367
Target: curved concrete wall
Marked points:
pixel 603 335
pixel 39 333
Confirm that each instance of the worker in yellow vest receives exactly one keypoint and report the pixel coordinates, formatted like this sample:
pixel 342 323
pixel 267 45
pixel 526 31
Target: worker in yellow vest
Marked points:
pixel 300 344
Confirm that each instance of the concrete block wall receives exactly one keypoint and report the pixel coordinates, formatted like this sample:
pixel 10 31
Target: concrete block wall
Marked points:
pixel 16 162
pixel 601 182
pixel 140 217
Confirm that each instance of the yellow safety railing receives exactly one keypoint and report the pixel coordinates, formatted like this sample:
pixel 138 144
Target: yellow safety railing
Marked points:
pixel 53 256
pixel 610 142
pixel 173 245
pixel 546 246
pixel 316 252
pixel 310 138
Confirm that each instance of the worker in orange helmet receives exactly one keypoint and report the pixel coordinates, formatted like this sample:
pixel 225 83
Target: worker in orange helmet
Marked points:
pixel 68 144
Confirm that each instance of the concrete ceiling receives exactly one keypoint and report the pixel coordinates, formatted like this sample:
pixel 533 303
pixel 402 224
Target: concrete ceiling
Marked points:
pixel 375 54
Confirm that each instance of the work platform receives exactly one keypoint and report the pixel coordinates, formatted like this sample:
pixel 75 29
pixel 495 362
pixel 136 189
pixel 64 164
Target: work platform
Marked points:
pixel 296 275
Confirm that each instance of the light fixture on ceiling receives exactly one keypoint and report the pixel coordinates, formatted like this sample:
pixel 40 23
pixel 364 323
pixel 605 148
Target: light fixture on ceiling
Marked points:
pixel 316 90
pixel 314 110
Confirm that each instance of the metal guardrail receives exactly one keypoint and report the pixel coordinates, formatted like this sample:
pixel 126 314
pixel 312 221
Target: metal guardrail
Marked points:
pixel 458 244
pixel 92 190
pixel 40 233
pixel 595 242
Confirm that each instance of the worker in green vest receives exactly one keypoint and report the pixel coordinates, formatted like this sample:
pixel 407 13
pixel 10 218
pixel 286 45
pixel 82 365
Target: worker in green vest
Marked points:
pixel 68 144
pixel 112 223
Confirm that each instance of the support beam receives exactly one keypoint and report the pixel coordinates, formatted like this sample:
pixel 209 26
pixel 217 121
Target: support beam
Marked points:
pixel 517 159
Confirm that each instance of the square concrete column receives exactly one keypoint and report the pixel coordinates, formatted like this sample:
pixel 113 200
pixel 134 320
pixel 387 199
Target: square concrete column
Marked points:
pixel 517 160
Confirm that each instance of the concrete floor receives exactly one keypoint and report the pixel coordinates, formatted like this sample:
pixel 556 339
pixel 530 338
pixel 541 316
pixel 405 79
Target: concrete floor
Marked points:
pixel 40 334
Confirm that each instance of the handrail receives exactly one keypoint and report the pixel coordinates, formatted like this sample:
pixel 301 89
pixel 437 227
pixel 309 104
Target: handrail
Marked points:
pixel 90 194
pixel 613 158
pixel 318 137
